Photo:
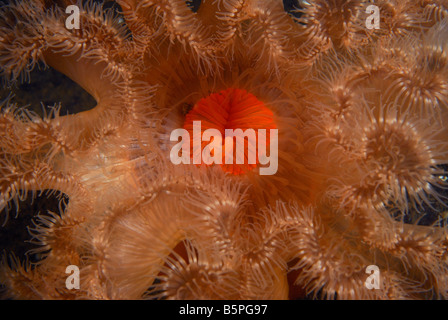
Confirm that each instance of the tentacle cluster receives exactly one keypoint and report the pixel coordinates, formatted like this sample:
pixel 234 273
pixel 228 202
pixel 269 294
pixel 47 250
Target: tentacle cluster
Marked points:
pixel 362 150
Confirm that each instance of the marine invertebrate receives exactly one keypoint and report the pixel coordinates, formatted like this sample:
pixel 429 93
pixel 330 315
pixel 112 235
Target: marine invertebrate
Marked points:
pixel 361 149
pixel 243 126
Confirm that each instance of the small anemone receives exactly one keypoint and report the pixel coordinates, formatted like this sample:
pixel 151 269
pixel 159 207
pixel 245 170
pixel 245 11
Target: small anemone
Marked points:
pixel 397 159
pixel 192 278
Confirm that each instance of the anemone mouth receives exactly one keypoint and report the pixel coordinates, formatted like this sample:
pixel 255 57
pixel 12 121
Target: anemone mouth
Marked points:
pixel 232 111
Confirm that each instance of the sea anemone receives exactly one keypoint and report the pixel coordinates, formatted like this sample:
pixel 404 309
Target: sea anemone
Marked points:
pixel 360 177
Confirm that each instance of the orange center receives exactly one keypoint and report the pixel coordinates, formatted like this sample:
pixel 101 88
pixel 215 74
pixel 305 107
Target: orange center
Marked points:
pixel 232 109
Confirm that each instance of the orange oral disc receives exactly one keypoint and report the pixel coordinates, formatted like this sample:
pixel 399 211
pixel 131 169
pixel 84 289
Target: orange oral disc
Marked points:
pixel 233 109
